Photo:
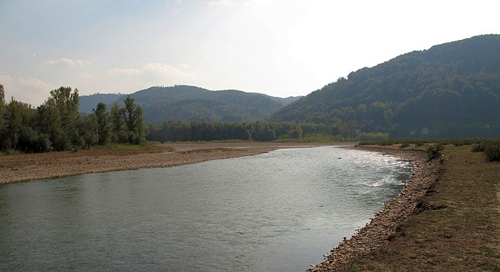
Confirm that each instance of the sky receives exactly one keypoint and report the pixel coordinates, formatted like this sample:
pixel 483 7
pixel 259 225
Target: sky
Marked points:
pixel 277 47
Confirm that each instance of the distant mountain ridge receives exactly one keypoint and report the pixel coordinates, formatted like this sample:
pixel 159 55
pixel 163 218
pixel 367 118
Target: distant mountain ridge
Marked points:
pixel 190 103
pixel 449 90
pixel 89 102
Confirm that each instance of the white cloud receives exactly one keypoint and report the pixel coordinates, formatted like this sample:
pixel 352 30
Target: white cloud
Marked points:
pixel 160 69
pixel 164 70
pixel 36 84
pixel 32 91
pixel 69 62
pixel 122 71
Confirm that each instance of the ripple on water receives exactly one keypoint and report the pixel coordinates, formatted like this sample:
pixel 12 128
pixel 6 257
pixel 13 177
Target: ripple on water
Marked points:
pixel 279 211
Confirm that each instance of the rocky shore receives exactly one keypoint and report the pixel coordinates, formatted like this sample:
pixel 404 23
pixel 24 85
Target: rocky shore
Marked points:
pixel 383 226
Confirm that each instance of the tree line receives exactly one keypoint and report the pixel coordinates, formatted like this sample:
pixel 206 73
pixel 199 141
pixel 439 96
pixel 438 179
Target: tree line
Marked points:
pixel 57 124
pixel 174 131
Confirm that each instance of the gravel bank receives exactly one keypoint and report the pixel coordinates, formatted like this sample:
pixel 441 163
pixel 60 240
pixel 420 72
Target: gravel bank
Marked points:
pixel 27 167
pixel 382 228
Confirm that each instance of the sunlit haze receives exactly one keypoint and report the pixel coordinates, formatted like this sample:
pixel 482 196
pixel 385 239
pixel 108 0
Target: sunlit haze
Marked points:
pixel 277 47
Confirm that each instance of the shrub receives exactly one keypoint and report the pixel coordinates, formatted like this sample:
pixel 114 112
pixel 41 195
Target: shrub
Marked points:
pixel 403 145
pixel 492 152
pixel 434 151
pixel 478 147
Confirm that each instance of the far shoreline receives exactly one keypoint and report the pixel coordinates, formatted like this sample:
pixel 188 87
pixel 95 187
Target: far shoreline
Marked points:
pixel 40 166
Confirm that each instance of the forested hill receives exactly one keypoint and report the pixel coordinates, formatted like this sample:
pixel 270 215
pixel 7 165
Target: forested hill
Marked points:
pixel 189 103
pixel 449 90
pixel 89 102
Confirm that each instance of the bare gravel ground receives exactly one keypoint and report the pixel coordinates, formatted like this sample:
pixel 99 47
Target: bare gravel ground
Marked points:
pixel 27 167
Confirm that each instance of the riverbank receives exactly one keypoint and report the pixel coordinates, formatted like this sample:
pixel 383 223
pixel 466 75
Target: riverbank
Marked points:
pixel 28 167
pixel 445 219
pixel 383 226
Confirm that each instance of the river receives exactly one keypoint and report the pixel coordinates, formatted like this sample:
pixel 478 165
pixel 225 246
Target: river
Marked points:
pixel 279 211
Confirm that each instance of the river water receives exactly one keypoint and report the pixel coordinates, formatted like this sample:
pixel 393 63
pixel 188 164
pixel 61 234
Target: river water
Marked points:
pixel 279 211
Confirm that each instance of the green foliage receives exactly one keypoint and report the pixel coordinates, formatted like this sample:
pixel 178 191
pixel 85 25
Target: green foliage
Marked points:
pixel 127 124
pixel 88 131
pixel 103 124
pixel 450 90
pixel 32 141
pixel 490 148
pixel 492 152
pixel 434 151
pixel 118 124
pixel 258 131
pixel 135 127
pixel 57 125
pixel 478 147
pixel 2 106
pixel 17 117
pixel 58 118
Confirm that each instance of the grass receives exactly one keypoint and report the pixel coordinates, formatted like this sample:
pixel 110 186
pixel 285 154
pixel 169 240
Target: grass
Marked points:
pixel 458 227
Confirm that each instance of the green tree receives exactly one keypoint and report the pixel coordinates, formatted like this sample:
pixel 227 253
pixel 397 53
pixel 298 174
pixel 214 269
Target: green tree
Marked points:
pixel 49 122
pixel 134 120
pixel 103 127
pixel 2 106
pixel 88 130
pixel 58 118
pixel 67 103
pixel 18 116
pixel 140 127
pixel 118 132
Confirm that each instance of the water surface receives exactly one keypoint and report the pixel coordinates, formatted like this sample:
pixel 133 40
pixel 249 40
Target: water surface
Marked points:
pixel 279 211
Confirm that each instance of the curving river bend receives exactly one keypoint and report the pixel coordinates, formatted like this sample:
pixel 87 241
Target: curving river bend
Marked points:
pixel 279 211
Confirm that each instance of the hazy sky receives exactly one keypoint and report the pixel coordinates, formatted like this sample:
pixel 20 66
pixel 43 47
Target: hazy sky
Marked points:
pixel 278 47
